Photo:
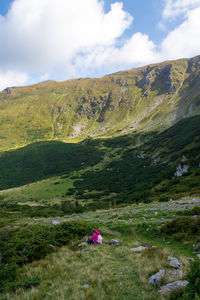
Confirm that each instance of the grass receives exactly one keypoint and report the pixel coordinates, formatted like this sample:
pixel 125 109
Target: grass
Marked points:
pixel 107 106
pixel 110 272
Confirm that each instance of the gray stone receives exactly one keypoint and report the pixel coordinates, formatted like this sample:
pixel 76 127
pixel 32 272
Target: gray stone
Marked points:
pixel 180 170
pixel 173 286
pixel 157 277
pixel 174 262
pixel 138 249
pixel 55 222
pixel 198 255
pixel 86 285
pixel 114 242
pixel 190 259
pixel 175 272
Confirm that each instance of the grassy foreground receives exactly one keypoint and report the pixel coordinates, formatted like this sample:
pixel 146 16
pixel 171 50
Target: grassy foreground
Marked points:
pixel 98 272
pixel 109 271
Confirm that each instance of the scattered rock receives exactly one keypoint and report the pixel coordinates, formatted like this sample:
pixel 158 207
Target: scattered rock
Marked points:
pixel 190 259
pixel 173 286
pixel 175 272
pixel 174 262
pixel 138 249
pixel 180 170
pixel 183 159
pixel 114 242
pixel 55 222
pixel 52 246
pixel 157 277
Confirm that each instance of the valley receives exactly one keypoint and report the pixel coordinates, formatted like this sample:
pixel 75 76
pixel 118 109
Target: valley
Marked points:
pixel 119 153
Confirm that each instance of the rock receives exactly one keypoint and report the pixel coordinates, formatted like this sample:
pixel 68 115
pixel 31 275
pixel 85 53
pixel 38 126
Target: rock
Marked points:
pixel 157 277
pixel 55 222
pixel 114 242
pixel 138 249
pixel 175 272
pixel 173 286
pixel 190 259
pixel 183 159
pixel 180 170
pixel 198 255
pixel 52 246
pixel 174 262
pixel 86 285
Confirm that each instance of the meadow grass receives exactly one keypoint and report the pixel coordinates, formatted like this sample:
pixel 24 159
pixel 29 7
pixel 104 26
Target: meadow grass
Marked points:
pixel 109 272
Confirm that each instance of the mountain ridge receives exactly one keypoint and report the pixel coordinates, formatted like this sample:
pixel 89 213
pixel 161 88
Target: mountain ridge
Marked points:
pixel 152 97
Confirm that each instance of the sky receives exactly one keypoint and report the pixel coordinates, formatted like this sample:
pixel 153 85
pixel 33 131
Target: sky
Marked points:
pixel 57 40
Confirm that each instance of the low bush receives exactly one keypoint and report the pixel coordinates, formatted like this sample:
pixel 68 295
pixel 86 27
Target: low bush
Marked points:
pixel 191 212
pixel 183 227
pixel 33 242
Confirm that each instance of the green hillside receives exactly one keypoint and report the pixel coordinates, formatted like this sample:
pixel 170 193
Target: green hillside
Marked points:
pixel 151 97
pixel 120 154
pixel 102 173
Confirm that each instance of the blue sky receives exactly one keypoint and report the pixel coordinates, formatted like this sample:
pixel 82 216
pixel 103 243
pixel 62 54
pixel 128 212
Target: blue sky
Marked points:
pixel 62 39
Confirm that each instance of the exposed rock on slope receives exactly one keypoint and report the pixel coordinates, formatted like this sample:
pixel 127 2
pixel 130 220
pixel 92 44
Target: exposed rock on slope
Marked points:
pixel 151 97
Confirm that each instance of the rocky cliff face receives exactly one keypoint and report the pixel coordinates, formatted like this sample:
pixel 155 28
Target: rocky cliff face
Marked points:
pixel 147 98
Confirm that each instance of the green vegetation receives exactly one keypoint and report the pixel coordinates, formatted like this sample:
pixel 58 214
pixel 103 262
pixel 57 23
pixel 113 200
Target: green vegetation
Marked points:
pixel 143 99
pixel 30 243
pixel 132 171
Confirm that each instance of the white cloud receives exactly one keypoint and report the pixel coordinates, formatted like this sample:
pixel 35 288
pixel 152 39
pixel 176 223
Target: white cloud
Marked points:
pixel 39 35
pixel 184 41
pixel 174 8
pixel 64 39
pixel 12 78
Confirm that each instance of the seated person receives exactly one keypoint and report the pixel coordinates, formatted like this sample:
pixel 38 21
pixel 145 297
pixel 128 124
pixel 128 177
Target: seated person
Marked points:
pixel 96 238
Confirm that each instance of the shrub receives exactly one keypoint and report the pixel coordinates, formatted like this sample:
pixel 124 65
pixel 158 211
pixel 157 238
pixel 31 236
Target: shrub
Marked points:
pixel 29 243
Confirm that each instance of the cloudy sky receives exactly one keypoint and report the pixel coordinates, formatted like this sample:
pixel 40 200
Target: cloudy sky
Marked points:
pixel 62 39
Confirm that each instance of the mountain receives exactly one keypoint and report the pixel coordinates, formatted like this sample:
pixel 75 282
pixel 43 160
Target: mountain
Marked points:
pixel 150 98
pixel 120 154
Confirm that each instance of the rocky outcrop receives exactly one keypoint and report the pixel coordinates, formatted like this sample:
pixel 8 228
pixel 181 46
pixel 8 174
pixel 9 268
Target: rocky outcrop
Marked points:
pixel 174 262
pixel 114 242
pixel 138 249
pixel 173 286
pixel 157 278
pixel 180 170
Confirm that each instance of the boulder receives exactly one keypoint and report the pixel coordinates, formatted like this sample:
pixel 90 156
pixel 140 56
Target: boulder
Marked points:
pixel 157 277
pixel 174 262
pixel 173 286
pixel 138 249
pixel 198 255
pixel 114 242
pixel 190 259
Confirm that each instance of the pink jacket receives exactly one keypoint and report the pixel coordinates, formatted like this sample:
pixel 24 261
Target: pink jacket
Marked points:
pixel 97 238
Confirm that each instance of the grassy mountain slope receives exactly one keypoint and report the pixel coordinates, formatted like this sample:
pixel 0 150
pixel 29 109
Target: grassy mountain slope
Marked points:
pixel 100 173
pixel 151 97
pixel 148 157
